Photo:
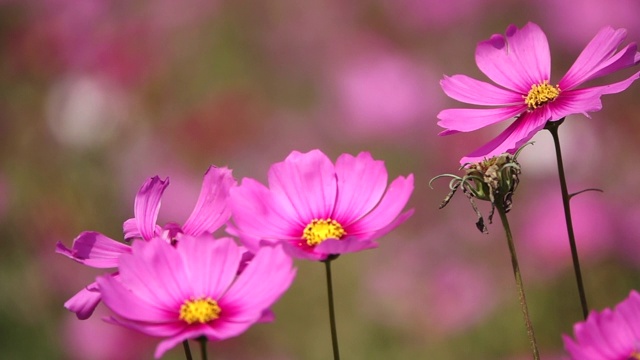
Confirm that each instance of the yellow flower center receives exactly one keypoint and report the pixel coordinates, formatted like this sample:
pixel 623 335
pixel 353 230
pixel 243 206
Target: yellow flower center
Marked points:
pixel 541 94
pixel 635 356
pixel 320 230
pixel 199 310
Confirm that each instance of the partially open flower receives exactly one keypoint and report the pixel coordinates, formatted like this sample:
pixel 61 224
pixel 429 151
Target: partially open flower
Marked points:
pixel 494 180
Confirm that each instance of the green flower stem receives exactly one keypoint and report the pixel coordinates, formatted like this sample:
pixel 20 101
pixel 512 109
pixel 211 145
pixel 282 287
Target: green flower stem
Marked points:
pixel 516 273
pixel 203 347
pixel 553 126
pixel 332 316
pixel 187 350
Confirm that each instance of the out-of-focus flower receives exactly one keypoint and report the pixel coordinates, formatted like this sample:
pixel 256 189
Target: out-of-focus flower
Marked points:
pixel 520 63
pixel 194 289
pixel 85 111
pixel 100 251
pixel 317 209
pixel 542 232
pixel 437 14
pixel 586 17
pixel 609 334
pixel 209 214
pixel 96 340
pixel 382 92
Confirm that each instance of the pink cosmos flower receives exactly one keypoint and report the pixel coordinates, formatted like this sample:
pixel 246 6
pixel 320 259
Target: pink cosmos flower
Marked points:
pixel 317 208
pixel 520 63
pixel 193 289
pixel 100 251
pixel 610 334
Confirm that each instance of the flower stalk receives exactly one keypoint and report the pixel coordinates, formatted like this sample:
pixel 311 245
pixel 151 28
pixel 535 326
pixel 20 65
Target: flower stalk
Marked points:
pixel 187 350
pixel 553 126
pixel 516 272
pixel 332 315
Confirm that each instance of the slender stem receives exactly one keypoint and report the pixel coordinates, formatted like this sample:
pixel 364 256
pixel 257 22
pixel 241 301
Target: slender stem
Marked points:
pixel 332 316
pixel 203 347
pixel 553 126
pixel 516 273
pixel 187 350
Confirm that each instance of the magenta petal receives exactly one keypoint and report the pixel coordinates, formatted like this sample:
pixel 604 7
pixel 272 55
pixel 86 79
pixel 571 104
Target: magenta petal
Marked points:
pixel 361 182
pixel 518 133
pixel 84 303
pixel 127 304
pixel 211 210
pixel 94 249
pixel 598 58
pixel 265 279
pixel 343 246
pixel 147 205
pixel 307 182
pixel 258 217
pixel 212 264
pixel 465 120
pixel 518 60
pixel 295 251
pixel 156 273
pixel 387 210
pixel 472 91
pixel 130 229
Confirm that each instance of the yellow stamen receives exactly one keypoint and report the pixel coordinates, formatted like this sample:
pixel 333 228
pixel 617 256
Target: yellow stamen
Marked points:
pixel 199 310
pixel 541 94
pixel 320 230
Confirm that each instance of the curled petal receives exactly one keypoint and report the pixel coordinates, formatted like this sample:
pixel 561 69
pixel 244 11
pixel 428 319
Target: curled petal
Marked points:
pixel 147 205
pixel 84 303
pixel 94 249
pixel 211 210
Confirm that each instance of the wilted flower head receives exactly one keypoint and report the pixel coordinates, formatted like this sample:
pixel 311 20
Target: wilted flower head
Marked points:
pixel 193 289
pixel 318 209
pixel 521 64
pixel 494 180
pixel 609 334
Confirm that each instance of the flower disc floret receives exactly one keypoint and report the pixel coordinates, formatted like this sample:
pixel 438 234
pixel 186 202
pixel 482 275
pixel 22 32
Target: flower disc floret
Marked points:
pixel 320 230
pixel 199 310
pixel 541 94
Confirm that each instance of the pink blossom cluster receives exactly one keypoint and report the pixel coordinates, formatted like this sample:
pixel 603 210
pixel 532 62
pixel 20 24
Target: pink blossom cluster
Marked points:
pixel 179 282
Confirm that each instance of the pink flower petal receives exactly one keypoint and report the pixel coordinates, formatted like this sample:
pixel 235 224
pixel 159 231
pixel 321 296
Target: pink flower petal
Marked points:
pixel 155 272
pixel 129 305
pixel 211 210
pixel 84 303
pixel 465 120
pixel 387 210
pixel 476 92
pixel 212 264
pixel 264 280
pixel 361 182
pixel 518 133
pixel 147 205
pixel 94 249
pixel 130 229
pixel 344 246
pixel 598 58
pixel 518 60
pixel 307 181
pixel 258 217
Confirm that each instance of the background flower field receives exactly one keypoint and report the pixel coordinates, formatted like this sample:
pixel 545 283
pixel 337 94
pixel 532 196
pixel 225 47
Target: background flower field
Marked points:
pixel 97 96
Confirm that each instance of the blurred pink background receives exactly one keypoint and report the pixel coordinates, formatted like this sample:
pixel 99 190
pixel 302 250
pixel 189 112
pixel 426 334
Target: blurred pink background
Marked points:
pixel 99 95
